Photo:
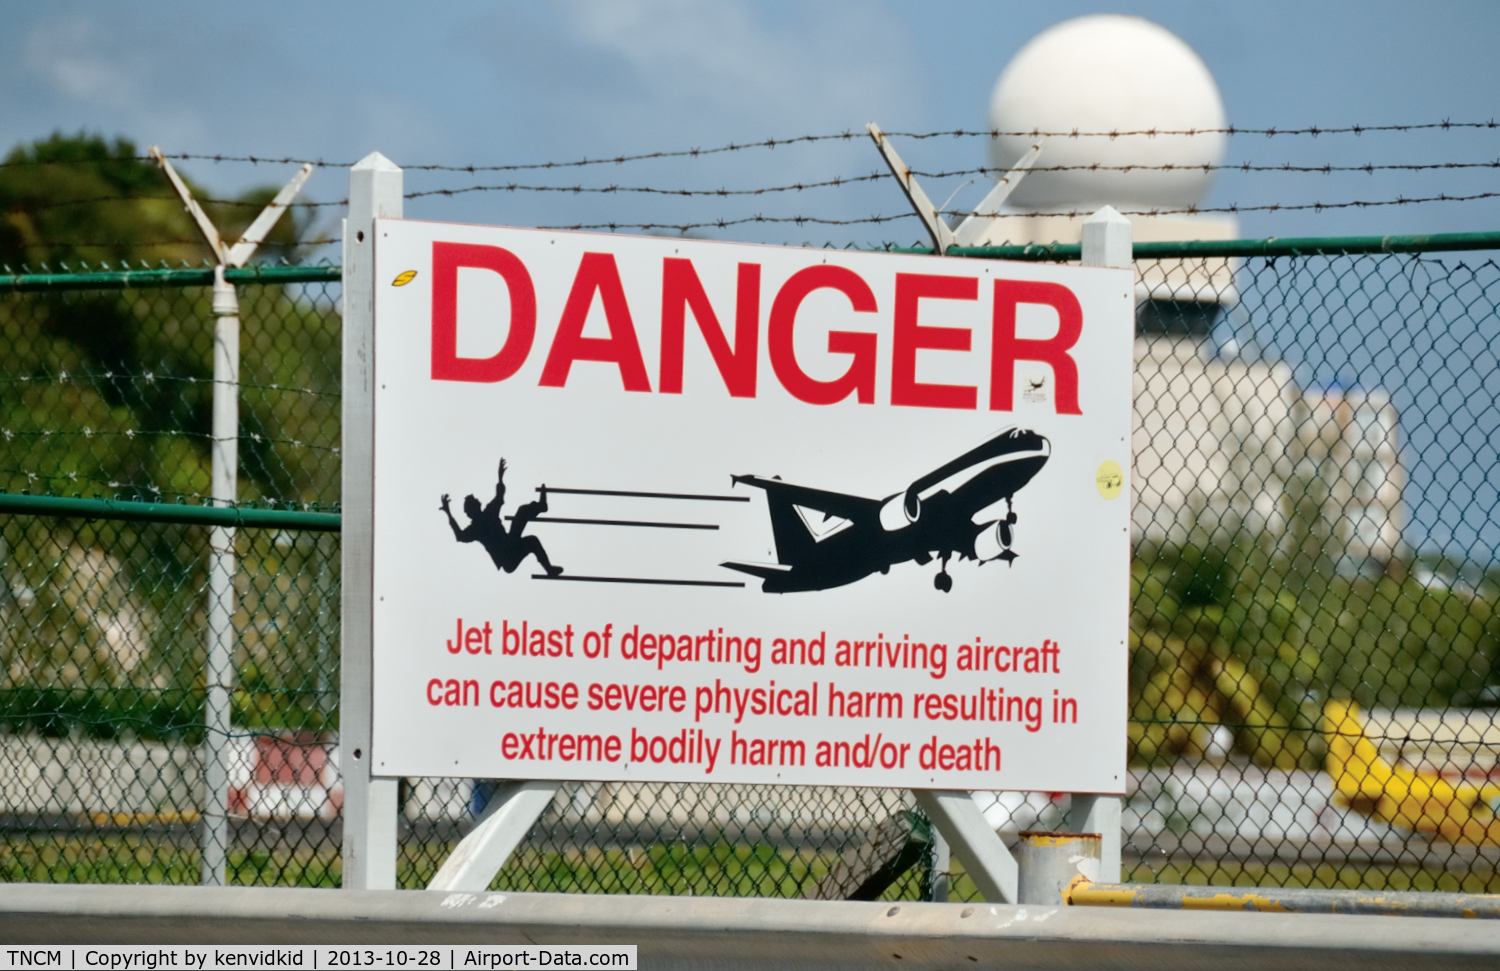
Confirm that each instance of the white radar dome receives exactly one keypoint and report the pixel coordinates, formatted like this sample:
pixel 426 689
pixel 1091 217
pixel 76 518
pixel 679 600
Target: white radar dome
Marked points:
pixel 1107 73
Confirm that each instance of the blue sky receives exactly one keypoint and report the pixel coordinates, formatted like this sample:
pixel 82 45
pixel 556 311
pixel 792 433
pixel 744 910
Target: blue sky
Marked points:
pixel 499 83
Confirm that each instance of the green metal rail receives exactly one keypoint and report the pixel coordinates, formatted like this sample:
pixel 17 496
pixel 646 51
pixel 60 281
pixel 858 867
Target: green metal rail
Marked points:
pixel 196 276
pixel 1191 249
pixel 165 512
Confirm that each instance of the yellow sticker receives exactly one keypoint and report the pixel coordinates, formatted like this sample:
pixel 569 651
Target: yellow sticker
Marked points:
pixel 1109 479
pixel 404 278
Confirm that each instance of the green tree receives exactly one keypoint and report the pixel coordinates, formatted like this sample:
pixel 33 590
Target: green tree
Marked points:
pixel 79 199
pixel 108 392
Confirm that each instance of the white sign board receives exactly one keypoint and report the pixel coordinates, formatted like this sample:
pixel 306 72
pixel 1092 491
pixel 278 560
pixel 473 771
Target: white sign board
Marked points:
pixel 766 514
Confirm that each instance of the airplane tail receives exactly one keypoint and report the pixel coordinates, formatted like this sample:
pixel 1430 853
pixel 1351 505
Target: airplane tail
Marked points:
pixel 1420 801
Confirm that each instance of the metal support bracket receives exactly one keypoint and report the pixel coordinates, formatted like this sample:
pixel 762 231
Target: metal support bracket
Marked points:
pixel 942 236
pixel 256 233
pixel 942 867
pixel 240 252
pixel 224 486
pixel 984 855
pixel 976 225
pixel 513 810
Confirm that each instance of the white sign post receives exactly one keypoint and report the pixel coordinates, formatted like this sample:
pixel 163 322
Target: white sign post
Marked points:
pixel 673 510
pixel 370 803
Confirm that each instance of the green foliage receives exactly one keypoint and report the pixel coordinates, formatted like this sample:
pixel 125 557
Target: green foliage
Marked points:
pixel 67 199
pixel 71 199
pixel 109 393
pixel 1240 637
pixel 103 713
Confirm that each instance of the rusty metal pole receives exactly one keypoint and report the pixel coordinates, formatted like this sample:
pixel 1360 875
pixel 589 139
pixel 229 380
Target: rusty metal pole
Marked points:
pixel 1287 900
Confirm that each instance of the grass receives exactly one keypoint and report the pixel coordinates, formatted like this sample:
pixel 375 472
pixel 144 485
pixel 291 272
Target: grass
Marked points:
pixel 672 869
pixel 132 858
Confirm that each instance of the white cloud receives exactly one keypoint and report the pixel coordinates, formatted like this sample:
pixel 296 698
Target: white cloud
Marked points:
pixel 821 66
pixel 71 54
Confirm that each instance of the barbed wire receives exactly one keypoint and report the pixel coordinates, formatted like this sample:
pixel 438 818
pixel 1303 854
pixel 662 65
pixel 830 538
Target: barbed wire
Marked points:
pixel 835 182
pixel 86 376
pixel 1069 214
pixel 773 143
pixel 802 220
pixel 178 157
pixel 130 434
pixel 840 181
pixel 161 243
pixel 125 265
pixel 139 488
pixel 94 200
pixel 1325 169
pixel 1313 131
pixel 647 190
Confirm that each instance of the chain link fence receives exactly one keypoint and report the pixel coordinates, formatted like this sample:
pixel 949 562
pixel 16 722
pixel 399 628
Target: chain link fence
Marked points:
pixel 1313 637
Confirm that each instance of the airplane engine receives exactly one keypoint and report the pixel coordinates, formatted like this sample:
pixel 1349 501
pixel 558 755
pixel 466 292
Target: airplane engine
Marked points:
pixel 987 544
pixel 900 511
pixel 994 543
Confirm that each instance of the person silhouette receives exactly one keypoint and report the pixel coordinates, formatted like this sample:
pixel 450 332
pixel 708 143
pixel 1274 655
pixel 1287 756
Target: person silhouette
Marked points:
pixel 506 547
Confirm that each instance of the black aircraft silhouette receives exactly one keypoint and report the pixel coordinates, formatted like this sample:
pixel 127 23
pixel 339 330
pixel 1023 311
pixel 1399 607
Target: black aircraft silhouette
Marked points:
pixel 829 539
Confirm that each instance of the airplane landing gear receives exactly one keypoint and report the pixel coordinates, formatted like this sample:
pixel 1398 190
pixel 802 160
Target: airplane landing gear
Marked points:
pixel 1008 526
pixel 943 581
pixel 1007 532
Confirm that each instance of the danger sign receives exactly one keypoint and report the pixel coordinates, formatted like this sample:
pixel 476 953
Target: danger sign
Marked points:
pixel 676 510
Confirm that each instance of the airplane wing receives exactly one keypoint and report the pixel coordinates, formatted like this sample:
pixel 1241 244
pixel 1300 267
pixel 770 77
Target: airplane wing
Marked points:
pixel 766 571
pixel 802 518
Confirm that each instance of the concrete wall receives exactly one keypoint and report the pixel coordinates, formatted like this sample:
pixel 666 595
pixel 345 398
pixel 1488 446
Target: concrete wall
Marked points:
pixel 743 934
